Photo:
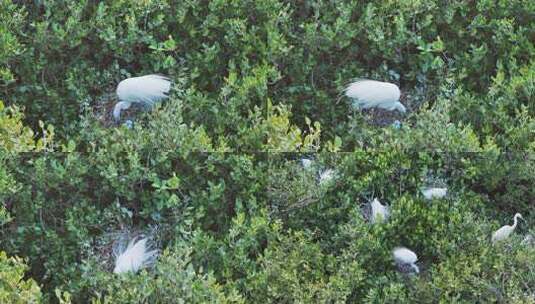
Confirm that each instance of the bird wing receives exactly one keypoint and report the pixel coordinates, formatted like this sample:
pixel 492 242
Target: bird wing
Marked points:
pixel 435 193
pixel 379 209
pixel 144 89
pixel 370 93
pixel 502 233
pixel 404 255
pixel 136 255
pixel 387 211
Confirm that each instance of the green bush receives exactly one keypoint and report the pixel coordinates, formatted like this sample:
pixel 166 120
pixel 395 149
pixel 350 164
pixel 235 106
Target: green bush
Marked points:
pixel 173 280
pixel 241 54
pixel 14 288
pixel 215 170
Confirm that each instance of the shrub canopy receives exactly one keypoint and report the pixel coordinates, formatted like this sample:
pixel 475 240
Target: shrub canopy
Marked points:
pixel 213 174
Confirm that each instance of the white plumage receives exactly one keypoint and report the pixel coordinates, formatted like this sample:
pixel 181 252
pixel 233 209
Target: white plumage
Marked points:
pixel 379 212
pixel 326 176
pixel 404 256
pixel 504 232
pixel 134 257
pixel 431 193
pixel 145 90
pixel 306 163
pixel 375 94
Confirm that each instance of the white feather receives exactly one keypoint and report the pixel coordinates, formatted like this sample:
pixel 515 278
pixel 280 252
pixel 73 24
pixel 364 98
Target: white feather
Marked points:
pixel 306 163
pixel 375 94
pixel 403 255
pixel 379 212
pixel 505 231
pixel 134 257
pixel 431 193
pixel 145 90
pixel 326 176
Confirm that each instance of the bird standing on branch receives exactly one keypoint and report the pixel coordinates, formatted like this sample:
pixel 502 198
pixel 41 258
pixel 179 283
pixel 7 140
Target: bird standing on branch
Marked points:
pixel 144 90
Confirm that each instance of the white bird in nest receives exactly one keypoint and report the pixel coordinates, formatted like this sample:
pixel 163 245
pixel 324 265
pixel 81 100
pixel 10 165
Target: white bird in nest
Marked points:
pixel 504 232
pixel 431 193
pixel 144 90
pixel 379 212
pixel 375 94
pixel 134 257
pixel 404 257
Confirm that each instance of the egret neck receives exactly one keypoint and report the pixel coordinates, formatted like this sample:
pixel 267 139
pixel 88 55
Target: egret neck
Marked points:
pixel 515 219
pixel 121 105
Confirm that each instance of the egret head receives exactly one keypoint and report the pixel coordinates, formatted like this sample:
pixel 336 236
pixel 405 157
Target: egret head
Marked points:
pixel 518 215
pixel 121 105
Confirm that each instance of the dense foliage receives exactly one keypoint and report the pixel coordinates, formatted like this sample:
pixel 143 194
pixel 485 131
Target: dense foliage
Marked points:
pixel 14 288
pixel 214 176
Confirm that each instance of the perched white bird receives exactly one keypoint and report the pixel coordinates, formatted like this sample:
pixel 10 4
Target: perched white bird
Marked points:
pixel 306 163
pixel 375 94
pixel 379 212
pixel 134 257
pixel 327 176
pixel 404 256
pixel 144 90
pixel 431 193
pixel 504 232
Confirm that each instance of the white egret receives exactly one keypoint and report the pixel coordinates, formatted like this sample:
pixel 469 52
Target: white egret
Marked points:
pixel 375 94
pixel 134 257
pixel 306 163
pixel 379 212
pixel 404 256
pixel 431 193
pixel 327 176
pixel 144 90
pixel 504 232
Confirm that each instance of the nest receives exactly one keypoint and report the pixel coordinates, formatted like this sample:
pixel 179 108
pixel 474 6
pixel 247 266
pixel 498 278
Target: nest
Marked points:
pixel 103 106
pixel 406 269
pixel 383 118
